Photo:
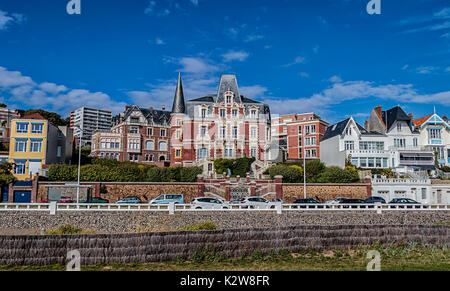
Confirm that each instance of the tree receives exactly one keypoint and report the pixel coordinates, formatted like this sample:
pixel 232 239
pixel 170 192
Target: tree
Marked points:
pixel 52 117
pixel 6 176
pixel 338 175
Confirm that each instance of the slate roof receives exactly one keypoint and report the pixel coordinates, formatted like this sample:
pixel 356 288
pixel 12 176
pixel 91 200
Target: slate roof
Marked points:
pixel 178 101
pixel 158 116
pixel 338 129
pixel 392 115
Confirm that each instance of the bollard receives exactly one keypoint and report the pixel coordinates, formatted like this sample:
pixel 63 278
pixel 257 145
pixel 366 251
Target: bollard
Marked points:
pixel 378 206
pixel 53 208
pixel 278 207
pixel 171 208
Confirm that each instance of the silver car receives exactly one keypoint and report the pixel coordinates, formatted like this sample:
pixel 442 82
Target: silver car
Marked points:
pixel 208 203
pixel 335 201
pixel 254 203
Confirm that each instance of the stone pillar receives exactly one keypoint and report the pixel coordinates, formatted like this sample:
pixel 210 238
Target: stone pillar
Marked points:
pixel 248 178
pixel 11 193
pixel 227 192
pixel 279 186
pixel 238 178
pixel 201 185
pixel 34 189
pixel 253 188
pixel 97 187
pixel 368 181
pixel 224 175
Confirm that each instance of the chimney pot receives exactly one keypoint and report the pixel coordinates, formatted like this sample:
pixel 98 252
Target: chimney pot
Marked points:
pixel 151 107
pixel 411 116
pixel 164 107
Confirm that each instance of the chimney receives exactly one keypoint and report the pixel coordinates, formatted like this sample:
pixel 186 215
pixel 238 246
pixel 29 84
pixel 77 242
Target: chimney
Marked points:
pixel 128 107
pixel 411 116
pixel 378 109
pixel 151 107
pixel 164 108
pixel 366 125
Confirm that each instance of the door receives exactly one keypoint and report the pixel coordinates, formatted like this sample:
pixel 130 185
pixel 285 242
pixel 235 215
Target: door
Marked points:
pixel 22 196
pixel 34 167
pixel 5 192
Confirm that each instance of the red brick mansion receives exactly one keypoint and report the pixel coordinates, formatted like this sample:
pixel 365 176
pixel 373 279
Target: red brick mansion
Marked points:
pixel 196 132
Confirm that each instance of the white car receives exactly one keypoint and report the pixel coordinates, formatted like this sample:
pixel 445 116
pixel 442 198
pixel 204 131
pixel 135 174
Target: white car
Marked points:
pixel 335 201
pixel 208 203
pixel 254 203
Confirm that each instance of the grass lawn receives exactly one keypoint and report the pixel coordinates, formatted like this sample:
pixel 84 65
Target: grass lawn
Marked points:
pixel 409 258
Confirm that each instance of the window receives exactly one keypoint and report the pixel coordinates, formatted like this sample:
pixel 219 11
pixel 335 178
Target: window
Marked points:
pixel 222 113
pixel 313 128
pixel 178 134
pixel 385 161
pixel 178 153
pixel 36 146
pixel 202 153
pixel 21 145
pixel 234 112
pixel 150 131
pixel 134 119
pixel 229 152
pixel 424 193
pixel 313 140
pixel 363 162
pixel 20 167
pixel 355 162
pixel 203 113
pixel 228 99
pixel 253 132
pixel 399 142
pixel 415 143
pixel 21 127
pixel 313 153
pixel 203 130
pixel 349 145
pixel 307 141
pixel 37 128
pixel 163 132
pixel 235 131
pixel 299 141
pixel 253 152
pixel 299 130
pixel 178 122
pixel 371 162
pixel 117 145
pixel 253 114
pixel 371 145
pixel 378 162
pixel 223 131
pixel 134 130
pixel 399 127
pixel 348 131
pixel 435 133
pixel 150 145
pixel 162 146
pixel 306 128
pixel 103 145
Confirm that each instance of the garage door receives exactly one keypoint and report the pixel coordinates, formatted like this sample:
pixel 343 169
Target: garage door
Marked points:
pixel 22 196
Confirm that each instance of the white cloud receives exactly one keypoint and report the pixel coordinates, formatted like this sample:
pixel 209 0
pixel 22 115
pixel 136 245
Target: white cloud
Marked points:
pixel 197 65
pixel 304 75
pixel 446 35
pixel 335 79
pixel 20 89
pixel 298 60
pixel 235 56
pixel 7 19
pixel 253 37
pixel 447 69
pixel 159 41
pixel 425 70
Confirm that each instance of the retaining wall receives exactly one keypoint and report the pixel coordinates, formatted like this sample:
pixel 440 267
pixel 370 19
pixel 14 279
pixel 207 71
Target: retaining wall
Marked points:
pixel 169 246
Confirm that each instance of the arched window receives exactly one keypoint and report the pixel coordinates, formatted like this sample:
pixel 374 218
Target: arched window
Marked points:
pixel 162 146
pixel 150 145
pixel 162 158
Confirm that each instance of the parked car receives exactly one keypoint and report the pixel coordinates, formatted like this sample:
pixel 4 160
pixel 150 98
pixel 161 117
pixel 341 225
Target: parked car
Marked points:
pixel 335 201
pixel 276 200
pixel 96 200
pixel 208 203
pixel 375 199
pixel 402 201
pixel 352 201
pixel 63 199
pixel 129 200
pixel 254 202
pixel 305 201
pixel 168 198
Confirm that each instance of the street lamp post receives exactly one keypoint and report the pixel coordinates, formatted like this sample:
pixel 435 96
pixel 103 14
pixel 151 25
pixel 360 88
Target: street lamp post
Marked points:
pixel 79 164
pixel 304 165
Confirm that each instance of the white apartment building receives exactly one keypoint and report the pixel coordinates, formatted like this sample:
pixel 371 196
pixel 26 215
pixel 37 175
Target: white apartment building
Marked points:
pixel 89 120
pixel 435 136
pixel 389 140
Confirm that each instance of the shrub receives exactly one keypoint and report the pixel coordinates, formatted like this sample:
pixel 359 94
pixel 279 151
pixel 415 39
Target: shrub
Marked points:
pixel 200 226
pixel 242 166
pixel 290 175
pixel 62 173
pixel 445 169
pixel 338 175
pixel 222 165
pixel 189 174
pixel 313 169
pixel 67 229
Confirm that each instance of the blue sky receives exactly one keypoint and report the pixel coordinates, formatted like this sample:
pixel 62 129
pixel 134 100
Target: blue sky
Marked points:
pixel 324 56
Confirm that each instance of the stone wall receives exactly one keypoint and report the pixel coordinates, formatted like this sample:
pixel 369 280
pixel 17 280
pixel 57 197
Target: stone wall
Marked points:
pixel 326 192
pixel 129 221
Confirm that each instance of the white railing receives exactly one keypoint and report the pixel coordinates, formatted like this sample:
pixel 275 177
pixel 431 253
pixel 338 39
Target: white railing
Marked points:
pixel 172 208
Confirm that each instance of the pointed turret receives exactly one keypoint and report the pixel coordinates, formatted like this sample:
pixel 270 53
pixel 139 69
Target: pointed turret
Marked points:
pixel 178 102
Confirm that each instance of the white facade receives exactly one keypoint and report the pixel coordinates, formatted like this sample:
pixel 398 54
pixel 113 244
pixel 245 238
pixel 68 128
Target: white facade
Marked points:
pixel 90 120
pixel 435 136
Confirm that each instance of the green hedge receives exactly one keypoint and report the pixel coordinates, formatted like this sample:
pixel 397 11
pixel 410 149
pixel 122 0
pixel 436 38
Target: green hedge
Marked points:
pixel 238 167
pixel 104 170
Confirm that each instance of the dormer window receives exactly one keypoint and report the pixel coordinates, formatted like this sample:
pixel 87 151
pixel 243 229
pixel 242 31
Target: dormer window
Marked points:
pixel 203 112
pixel 253 113
pixel 229 97
pixel 399 127
pixel 348 131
